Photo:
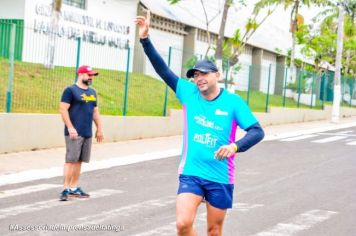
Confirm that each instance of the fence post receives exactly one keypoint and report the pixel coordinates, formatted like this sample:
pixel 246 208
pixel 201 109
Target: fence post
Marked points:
pixel 248 84
pixel 299 85
pixel 285 87
pixel 269 80
pixel 78 58
pixel 166 90
pixel 312 91
pixel 11 69
pixel 343 79
pixel 324 88
pixel 126 80
pixel 352 91
pixel 226 73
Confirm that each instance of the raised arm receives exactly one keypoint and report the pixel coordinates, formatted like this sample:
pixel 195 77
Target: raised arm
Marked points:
pixel 156 60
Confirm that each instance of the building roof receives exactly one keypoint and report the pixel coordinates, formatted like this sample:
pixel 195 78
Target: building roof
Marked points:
pixel 271 35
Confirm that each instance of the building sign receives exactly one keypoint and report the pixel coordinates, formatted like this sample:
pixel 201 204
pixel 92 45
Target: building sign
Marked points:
pixel 91 30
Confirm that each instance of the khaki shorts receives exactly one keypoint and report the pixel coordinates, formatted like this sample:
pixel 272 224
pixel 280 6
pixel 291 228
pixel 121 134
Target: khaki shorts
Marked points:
pixel 78 149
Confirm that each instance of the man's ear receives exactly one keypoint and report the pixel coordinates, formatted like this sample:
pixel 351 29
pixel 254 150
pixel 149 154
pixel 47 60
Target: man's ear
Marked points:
pixel 218 75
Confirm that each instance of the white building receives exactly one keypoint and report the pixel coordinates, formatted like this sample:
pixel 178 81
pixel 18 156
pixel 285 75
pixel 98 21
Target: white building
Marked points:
pixel 107 29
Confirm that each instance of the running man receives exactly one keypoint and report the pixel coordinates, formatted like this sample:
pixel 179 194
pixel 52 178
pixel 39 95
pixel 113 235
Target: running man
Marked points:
pixel 211 117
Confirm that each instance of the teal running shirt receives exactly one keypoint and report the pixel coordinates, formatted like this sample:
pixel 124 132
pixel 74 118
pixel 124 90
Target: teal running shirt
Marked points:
pixel 207 126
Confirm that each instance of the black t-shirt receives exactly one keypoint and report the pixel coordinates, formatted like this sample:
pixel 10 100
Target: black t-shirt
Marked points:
pixel 82 103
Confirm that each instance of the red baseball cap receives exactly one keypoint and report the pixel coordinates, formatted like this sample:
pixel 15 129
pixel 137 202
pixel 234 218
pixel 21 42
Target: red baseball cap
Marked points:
pixel 86 70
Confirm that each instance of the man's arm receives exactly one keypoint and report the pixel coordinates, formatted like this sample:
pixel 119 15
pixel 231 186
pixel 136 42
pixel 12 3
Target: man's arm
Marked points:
pixel 63 109
pixel 159 65
pixel 99 129
pixel 156 60
pixel 254 134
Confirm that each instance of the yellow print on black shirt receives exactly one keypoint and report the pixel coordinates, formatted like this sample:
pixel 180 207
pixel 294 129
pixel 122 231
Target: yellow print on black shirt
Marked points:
pixel 87 98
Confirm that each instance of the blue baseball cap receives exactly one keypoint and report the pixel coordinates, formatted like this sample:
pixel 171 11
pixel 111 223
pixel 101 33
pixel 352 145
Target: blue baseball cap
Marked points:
pixel 202 66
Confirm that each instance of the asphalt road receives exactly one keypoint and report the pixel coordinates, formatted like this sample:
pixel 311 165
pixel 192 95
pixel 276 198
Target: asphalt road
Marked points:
pixel 297 186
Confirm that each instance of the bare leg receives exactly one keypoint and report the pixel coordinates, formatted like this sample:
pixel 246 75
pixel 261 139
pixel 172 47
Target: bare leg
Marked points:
pixel 215 218
pixel 76 173
pixel 187 205
pixel 68 174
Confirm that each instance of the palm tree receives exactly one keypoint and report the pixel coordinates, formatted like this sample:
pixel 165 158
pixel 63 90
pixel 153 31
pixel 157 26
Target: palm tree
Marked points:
pixel 345 32
pixel 294 16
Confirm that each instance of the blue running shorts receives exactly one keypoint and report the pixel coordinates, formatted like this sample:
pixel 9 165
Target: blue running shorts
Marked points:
pixel 218 195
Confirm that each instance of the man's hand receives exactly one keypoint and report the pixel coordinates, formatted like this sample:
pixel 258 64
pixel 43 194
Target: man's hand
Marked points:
pixel 99 136
pixel 143 24
pixel 73 134
pixel 225 151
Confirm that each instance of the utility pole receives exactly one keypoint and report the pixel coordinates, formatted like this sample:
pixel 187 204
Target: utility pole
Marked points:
pixel 338 64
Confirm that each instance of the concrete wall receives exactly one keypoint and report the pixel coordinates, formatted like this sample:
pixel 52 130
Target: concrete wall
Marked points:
pixel 257 55
pixel 21 132
pixel 280 115
pixel 268 72
pixel 189 47
pixel 280 73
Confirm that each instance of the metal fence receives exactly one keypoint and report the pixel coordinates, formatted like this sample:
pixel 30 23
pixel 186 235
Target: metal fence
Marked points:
pixel 28 83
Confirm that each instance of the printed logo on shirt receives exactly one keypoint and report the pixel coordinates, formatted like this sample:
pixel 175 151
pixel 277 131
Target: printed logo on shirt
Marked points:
pixel 87 98
pixel 201 120
pixel 206 139
pixel 219 112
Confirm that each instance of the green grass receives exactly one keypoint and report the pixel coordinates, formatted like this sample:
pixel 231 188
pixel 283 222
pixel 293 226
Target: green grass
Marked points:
pixel 257 101
pixel 38 90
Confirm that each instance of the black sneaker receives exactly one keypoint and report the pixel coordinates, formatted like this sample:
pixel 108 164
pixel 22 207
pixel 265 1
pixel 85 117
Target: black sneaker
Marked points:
pixel 78 193
pixel 64 195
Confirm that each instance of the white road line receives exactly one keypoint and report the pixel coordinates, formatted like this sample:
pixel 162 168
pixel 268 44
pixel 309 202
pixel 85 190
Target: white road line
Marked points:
pixel 28 189
pixel 330 139
pixel 95 165
pixel 170 228
pixel 351 143
pixel 345 132
pixel 128 210
pixel 30 175
pixel 245 206
pixel 339 134
pixel 299 137
pixel 38 206
pixel 301 222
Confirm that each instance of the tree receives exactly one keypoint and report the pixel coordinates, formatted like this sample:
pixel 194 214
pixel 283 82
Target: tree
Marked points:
pixel 235 45
pixel 334 19
pixel 56 12
pixel 231 49
pixel 329 17
pixel 221 36
pixel 295 21
pixel 207 22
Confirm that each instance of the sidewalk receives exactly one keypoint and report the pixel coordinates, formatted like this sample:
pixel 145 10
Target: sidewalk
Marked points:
pixel 48 158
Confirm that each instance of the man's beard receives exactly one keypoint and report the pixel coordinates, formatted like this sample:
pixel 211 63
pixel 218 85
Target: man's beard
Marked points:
pixel 87 82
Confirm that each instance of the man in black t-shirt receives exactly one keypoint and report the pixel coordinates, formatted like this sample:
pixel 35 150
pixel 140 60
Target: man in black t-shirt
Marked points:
pixel 79 109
